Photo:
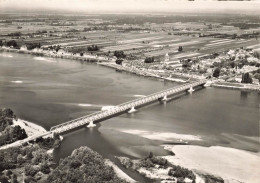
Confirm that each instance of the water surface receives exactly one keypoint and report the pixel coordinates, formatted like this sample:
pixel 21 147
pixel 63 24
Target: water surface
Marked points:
pixel 50 91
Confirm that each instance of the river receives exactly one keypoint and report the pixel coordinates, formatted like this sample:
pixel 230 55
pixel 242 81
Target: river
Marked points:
pixel 49 91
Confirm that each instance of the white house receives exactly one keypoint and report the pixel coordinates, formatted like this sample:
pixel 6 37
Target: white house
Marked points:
pixel 23 48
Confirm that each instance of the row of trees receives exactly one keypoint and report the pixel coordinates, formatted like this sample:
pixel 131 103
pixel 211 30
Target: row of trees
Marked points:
pixel 31 46
pixel 246 77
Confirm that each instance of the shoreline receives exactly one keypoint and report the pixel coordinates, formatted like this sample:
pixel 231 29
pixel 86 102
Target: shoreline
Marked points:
pixel 164 136
pixel 119 172
pixel 30 128
pixel 107 63
pixel 120 68
pixel 95 59
pixel 233 165
pixel 242 87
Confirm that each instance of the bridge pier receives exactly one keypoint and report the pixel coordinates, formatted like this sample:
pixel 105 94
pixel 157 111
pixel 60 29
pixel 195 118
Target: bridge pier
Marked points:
pixel 91 124
pixel 208 83
pixel 164 99
pixel 191 90
pixel 132 110
pixel 128 106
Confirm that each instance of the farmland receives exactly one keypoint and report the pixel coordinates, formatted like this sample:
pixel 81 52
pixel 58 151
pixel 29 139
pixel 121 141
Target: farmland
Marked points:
pixel 154 39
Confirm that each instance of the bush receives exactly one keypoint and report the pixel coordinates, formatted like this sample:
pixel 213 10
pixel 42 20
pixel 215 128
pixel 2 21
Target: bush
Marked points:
pixel 147 163
pixel 179 172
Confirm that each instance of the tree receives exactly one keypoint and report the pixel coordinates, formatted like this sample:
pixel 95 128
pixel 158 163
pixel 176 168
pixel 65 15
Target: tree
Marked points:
pixel 256 55
pixel 12 43
pixel 246 78
pixel 119 54
pixel 84 165
pixel 150 155
pixel 257 76
pixel 20 160
pixel 149 60
pixel 30 170
pixel 93 48
pixel 216 73
pixel 180 48
pixel 119 61
pixel 232 64
pixel 31 46
pixel 19 133
pixel 45 168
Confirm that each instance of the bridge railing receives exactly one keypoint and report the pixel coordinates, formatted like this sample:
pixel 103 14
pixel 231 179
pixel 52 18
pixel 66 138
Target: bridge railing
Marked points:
pixel 132 103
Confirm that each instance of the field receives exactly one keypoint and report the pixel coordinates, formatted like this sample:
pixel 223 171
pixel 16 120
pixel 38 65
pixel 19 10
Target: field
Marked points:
pixel 141 44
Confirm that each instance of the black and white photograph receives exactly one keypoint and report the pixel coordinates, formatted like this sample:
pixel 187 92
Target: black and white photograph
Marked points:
pixel 129 91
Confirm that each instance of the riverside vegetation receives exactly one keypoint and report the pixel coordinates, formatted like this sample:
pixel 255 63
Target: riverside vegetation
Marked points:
pixel 32 162
pixel 159 169
pixel 9 133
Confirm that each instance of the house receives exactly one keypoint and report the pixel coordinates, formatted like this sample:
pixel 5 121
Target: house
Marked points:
pixel 23 48
pixel 61 52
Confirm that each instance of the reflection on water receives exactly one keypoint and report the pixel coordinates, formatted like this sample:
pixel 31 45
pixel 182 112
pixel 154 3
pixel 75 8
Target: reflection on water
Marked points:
pixel 243 95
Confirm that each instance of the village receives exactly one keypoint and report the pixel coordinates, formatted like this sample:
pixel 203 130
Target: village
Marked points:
pixel 179 51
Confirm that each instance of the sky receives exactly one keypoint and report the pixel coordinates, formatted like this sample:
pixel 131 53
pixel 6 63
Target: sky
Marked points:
pixel 137 6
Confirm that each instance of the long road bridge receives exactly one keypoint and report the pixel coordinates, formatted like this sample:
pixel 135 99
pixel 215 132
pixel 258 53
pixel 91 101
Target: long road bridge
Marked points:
pixel 130 106
pixel 91 119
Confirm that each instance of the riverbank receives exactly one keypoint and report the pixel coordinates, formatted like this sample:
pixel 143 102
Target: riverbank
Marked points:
pixel 108 62
pixel 101 61
pixel 119 172
pixel 232 165
pixel 164 136
pixel 30 128
pixel 139 72
pixel 46 53
pixel 239 86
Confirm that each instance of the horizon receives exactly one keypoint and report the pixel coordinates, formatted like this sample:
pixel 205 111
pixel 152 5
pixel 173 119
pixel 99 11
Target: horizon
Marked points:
pixel 132 6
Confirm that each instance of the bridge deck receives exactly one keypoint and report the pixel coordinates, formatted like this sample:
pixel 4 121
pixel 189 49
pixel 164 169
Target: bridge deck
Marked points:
pixel 122 107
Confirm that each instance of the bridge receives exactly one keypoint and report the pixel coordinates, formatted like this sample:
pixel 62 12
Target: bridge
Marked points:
pixel 91 119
